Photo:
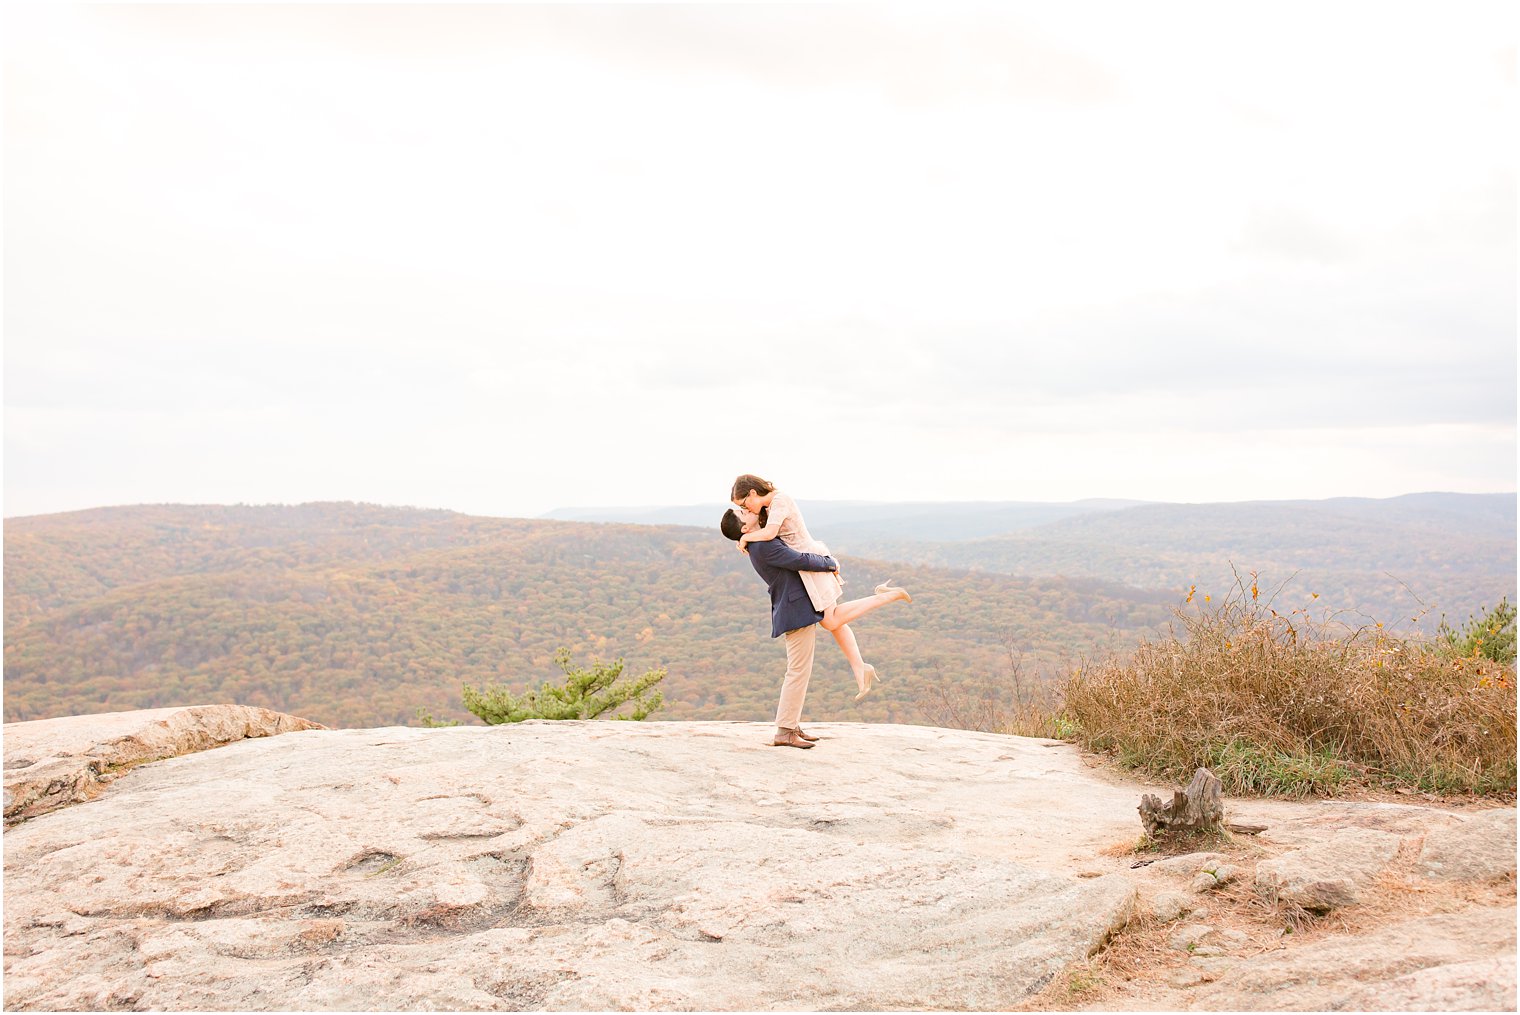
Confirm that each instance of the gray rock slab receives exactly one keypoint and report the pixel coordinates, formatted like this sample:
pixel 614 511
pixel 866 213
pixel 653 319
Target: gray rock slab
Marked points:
pixel 1405 966
pixel 1211 878
pixel 1329 874
pixel 1481 848
pixel 1202 940
pixel 51 763
pixel 567 866
pixel 1168 906
pixel 1309 825
pixel 1189 937
pixel 1188 864
pixel 1481 985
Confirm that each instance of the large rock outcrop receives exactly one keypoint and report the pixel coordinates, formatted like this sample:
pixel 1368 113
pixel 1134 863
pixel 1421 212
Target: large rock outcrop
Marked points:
pixel 670 865
pixel 564 865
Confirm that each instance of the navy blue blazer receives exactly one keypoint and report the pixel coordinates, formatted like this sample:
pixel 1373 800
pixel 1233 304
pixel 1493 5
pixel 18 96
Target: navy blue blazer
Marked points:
pixel 778 564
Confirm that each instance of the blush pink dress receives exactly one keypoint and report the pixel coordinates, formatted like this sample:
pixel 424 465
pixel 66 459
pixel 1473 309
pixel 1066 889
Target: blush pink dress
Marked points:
pixel 823 587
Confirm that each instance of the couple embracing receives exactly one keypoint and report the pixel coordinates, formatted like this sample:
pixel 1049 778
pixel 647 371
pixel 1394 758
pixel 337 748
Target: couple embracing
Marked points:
pixel 805 589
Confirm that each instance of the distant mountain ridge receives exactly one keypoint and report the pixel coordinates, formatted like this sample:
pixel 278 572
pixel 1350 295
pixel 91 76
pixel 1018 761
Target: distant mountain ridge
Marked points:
pixel 951 521
pixel 1406 560
pixel 910 520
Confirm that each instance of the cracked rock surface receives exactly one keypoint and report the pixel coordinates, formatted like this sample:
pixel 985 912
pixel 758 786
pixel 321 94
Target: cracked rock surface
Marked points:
pixel 671 865
pixel 584 866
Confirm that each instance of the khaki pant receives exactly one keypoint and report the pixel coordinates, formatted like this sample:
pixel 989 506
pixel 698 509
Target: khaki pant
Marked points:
pixel 799 669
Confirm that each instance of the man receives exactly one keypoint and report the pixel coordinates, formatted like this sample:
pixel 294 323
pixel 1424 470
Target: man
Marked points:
pixel 793 616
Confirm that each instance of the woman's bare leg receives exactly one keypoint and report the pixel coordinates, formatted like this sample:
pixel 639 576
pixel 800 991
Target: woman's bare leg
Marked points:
pixel 847 644
pixel 841 614
pixel 836 620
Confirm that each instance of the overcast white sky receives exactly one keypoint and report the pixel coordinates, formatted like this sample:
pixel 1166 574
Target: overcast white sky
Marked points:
pixel 504 259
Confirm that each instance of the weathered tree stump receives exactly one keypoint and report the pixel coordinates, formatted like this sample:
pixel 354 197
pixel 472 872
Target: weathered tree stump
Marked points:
pixel 1199 808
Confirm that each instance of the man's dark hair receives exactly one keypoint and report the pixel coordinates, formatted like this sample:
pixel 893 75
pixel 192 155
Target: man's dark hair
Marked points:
pixel 731 526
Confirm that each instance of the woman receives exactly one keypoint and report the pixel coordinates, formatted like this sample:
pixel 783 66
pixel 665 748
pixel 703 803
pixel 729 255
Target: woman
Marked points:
pixel 779 517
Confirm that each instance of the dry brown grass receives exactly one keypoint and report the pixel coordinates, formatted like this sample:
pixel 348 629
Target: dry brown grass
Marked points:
pixel 986 704
pixel 1278 703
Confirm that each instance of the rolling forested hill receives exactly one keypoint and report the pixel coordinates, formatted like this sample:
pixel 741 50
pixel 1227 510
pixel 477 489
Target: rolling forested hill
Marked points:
pixel 1389 559
pixel 355 615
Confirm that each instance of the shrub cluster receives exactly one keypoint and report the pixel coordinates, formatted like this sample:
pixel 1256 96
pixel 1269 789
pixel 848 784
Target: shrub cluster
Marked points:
pixel 1282 704
pixel 1491 636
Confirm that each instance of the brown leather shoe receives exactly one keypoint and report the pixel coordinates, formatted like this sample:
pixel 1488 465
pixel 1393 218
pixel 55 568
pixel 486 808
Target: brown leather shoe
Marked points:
pixel 789 738
pixel 806 736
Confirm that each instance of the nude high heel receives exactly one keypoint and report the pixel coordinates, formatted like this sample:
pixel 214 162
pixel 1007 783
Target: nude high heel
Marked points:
pixel 887 586
pixel 871 679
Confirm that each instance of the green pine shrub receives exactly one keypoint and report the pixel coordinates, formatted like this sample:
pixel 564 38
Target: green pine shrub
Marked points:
pixel 1491 636
pixel 587 693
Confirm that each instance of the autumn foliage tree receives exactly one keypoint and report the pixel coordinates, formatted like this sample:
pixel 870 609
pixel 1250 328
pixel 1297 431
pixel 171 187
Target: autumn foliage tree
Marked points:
pixel 586 694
